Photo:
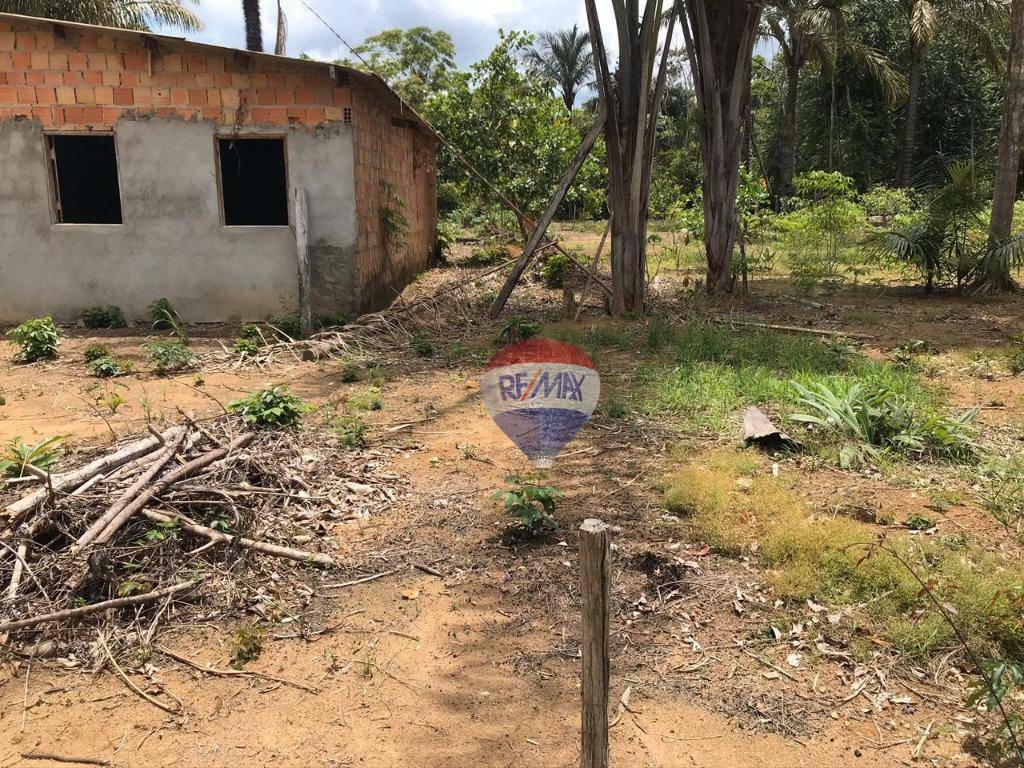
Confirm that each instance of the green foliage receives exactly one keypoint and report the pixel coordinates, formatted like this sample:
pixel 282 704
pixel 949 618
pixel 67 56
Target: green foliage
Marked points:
pixel 531 504
pixel 349 372
pixel 367 401
pixel 95 353
pixel 1002 679
pixel 351 431
pixel 517 329
pixel 245 348
pixel 124 14
pixel 819 229
pixel 555 270
pixel 162 315
pixel 166 357
pixel 394 225
pixel 253 333
pixel 888 202
pixel 416 62
pixel 269 409
pixel 1002 491
pixel 422 344
pixel 109 316
pixel 17 455
pixel 507 124
pixel 487 256
pixel 38 339
pixel 877 417
pixel 287 327
pixel 565 60
pixel 108 367
pixel 246 644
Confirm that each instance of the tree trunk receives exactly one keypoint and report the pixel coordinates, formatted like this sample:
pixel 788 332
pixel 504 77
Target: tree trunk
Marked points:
pixel 905 165
pixel 720 37
pixel 253 29
pixel 787 151
pixel 996 269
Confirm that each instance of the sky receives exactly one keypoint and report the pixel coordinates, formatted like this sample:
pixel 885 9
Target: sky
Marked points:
pixel 473 23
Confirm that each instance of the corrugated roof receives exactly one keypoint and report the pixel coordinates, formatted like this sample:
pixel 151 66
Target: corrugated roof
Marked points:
pixel 270 58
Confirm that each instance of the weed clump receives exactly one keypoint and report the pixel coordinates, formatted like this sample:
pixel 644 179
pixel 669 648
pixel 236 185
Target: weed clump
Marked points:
pixel 38 339
pixel 533 505
pixel 269 409
pixel 167 357
pixel 109 316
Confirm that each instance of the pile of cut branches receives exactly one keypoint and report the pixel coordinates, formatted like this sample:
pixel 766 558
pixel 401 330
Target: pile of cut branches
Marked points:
pixel 187 517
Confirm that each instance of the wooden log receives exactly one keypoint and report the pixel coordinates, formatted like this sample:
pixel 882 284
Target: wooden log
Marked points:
pixel 19 569
pixel 217 537
pixel 792 329
pixel 595 580
pixel 76 477
pixel 549 214
pixel 165 482
pixel 301 209
pixel 88 610
pixel 55 758
pixel 97 528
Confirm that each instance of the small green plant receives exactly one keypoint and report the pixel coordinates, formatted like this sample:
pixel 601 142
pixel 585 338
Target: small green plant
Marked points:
pixel 113 401
pixel 269 409
pixel 1001 680
pixel 245 348
pixel 162 315
pixel 1016 362
pixel 422 344
pixel 167 531
pixel 38 339
pixel 488 256
pixel 1002 494
pixel 109 316
pixel 252 333
pixel 533 505
pixel 349 372
pixel 109 368
pixel 555 270
pixel 351 431
pixel 394 226
pixel 517 329
pixel 287 327
pixel 169 357
pixel 92 354
pixel 918 522
pixel 246 645
pixel 367 401
pixel 18 455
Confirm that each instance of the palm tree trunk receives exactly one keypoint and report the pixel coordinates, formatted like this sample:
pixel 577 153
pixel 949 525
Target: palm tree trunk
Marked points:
pixel 996 270
pixel 905 167
pixel 787 152
pixel 253 28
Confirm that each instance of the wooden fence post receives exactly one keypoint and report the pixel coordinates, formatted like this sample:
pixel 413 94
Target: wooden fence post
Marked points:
pixel 595 580
pixel 301 222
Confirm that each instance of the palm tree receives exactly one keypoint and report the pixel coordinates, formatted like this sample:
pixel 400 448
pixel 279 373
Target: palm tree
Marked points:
pixel 564 58
pixel 253 29
pixel 815 31
pixel 125 14
pixel 972 19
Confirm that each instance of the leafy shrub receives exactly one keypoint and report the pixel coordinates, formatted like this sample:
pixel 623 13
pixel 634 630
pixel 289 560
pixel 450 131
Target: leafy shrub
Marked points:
pixel 253 333
pixel 878 418
pixel 1002 484
pixel 287 327
pixel 169 357
pixel 367 401
pixel 245 348
pixel 95 353
pixel 109 316
pixel 349 372
pixel 422 344
pixel 38 339
pixel 17 455
pixel 107 367
pixel 488 256
pixel 162 315
pixel 531 504
pixel 246 645
pixel 269 408
pixel 888 202
pixel 517 329
pixel 351 431
pixel 555 269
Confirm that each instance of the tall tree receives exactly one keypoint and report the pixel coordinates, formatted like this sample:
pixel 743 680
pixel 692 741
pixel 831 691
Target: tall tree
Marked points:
pixel 416 62
pixel 126 14
pixel 996 268
pixel 972 19
pixel 253 26
pixel 565 58
pixel 816 32
pixel 720 37
pixel 281 40
pixel 632 99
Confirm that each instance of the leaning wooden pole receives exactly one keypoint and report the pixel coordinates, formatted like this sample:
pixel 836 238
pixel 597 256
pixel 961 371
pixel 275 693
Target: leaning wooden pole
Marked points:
pixel 301 223
pixel 595 580
pixel 549 214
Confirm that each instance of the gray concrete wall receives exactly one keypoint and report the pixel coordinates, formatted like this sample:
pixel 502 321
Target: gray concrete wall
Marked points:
pixel 172 243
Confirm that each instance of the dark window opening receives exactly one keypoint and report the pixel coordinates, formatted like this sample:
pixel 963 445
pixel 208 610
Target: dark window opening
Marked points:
pixel 254 183
pixel 85 179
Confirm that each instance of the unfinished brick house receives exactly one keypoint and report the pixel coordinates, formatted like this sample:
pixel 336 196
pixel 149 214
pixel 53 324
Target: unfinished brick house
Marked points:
pixel 135 166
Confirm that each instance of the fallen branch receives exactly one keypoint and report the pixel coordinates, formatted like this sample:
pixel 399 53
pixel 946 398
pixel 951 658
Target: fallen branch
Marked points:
pixel 175 710
pixel 792 329
pixel 363 580
pixel 87 610
pixel 54 758
pixel 217 537
pixel 232 672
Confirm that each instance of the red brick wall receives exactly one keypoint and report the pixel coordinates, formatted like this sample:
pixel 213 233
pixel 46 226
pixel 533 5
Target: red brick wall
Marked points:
pixel 81 79
pixel 404 157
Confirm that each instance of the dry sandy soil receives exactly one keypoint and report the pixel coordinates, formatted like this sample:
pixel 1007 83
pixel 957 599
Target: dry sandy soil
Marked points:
pixel 472 659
